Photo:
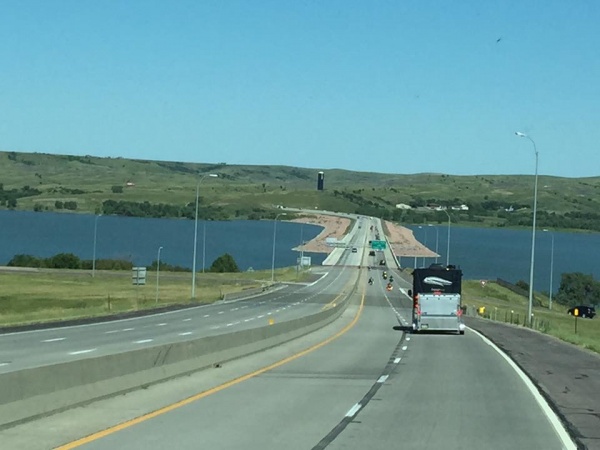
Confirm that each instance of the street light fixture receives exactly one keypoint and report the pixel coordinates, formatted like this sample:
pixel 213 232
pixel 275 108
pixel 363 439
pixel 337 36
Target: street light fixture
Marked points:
pixel 551 269
pixel 157 272
pixel 213 175
pixel 448 249
pixel 94 251
pixel 274 235
pixel 523 135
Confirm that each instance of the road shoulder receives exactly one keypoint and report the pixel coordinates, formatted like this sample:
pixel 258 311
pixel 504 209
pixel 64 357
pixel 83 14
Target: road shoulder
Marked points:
pixel 567 376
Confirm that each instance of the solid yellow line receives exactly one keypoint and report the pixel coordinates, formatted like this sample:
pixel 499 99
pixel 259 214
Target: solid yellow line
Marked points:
pixel 332 303
pixel 193 398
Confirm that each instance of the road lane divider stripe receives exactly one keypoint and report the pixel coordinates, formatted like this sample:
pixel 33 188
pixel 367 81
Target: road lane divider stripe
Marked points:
pixel 352 412
pixel 143 341
pixel 397 360
pixel 82 352
pixel 383 378
pixel 129 423
pixel 54 339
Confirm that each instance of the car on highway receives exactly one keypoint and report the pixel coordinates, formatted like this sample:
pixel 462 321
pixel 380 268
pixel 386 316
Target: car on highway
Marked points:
pixel 584 311
pixel 354 250
pixel 372 253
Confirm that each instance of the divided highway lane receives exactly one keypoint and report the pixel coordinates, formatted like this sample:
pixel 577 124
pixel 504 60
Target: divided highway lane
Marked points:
pixel 42 347
pixel 292 406
pixel 372 387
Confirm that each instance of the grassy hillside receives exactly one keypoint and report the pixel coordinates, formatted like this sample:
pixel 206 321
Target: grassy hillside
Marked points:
pixel 250 191
pixel 505 306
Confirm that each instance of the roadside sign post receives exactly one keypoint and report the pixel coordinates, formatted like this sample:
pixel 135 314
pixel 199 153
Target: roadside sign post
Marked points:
pixel 576 314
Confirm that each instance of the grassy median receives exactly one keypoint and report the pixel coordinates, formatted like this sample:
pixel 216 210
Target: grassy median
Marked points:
pixel 34 296
pixel 504 305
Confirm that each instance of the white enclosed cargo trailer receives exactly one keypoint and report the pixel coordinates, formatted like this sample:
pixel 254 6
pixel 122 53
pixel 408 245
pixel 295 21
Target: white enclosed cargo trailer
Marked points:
pixel 436 296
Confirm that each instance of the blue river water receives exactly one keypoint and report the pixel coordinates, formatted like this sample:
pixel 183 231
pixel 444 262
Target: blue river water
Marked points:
pixel 138 239
pixel 482 253
pixel 490 253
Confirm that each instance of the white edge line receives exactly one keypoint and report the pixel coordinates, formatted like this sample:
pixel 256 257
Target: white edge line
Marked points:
pixel 550 414
pixel 353 410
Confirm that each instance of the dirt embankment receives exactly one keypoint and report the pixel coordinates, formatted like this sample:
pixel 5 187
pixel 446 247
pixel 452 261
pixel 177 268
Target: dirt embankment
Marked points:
pixel 403 242
pixel 333 227
pixel 401 239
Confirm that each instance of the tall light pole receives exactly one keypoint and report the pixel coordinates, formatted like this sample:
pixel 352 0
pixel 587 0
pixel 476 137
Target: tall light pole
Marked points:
pixel 157 272
pixel 203 245
pixel 425 230
pixel 523 135
pixel 551 269
pixel 213 175
pixel 94 251
pixel 437 239
pixel 448 249
pixel 302 242
pixel 274 235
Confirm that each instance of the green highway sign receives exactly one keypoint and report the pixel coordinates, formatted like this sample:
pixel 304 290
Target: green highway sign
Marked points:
pixel 378 245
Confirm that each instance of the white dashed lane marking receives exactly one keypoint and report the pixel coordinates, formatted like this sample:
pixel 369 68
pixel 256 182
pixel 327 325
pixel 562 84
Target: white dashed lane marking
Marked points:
pixel 143 341
pixel 54 339
pixel 397 360
pixel 81 352
pixel 353 410
pixel 185 333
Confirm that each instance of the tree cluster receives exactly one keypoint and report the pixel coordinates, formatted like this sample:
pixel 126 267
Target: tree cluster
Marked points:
pixel 578 289
pixel 223 264
pixel 159 210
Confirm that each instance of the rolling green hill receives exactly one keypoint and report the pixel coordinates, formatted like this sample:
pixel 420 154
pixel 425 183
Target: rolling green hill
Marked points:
pixel 43 182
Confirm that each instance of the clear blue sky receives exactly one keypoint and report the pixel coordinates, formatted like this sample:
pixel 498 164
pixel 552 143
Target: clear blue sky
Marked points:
pixel 386 86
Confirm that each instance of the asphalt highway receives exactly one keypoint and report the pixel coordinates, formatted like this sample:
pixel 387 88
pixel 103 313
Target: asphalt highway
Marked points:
pixel 361 382
pixel 36 348
pixel 372 387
